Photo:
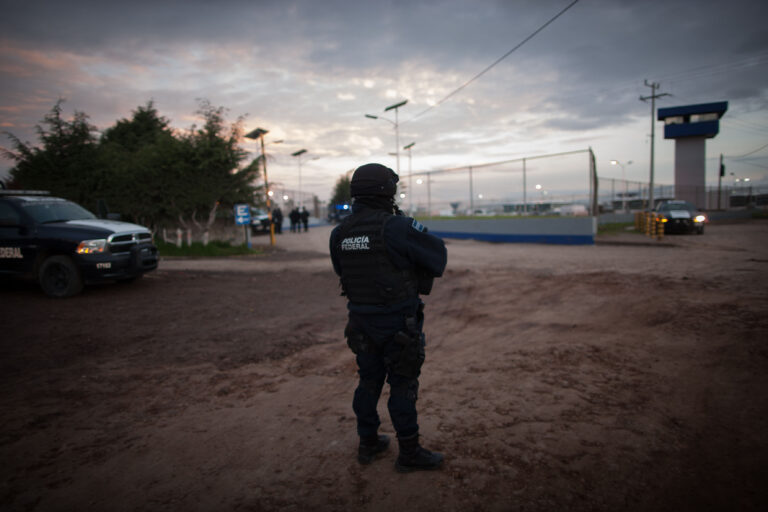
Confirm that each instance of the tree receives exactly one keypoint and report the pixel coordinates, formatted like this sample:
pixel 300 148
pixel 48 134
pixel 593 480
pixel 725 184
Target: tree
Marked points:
pixel 67 163
pixel 146 160
pixel 140 166
pixel 212 176
pixel 143 129
pixel 341 191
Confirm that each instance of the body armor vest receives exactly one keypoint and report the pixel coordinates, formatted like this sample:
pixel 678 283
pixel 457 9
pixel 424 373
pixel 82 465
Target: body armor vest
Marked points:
pixel 367 274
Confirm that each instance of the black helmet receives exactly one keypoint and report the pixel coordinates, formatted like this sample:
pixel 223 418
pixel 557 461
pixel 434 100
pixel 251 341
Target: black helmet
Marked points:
pixel 374 180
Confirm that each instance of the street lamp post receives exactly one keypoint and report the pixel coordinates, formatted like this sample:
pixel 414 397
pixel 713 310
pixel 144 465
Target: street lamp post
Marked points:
pixel 394 107
pixel 540 188
pixel 409 147
pixel 298 154
pixel 623 178
pixel 259 133
pixel 746 188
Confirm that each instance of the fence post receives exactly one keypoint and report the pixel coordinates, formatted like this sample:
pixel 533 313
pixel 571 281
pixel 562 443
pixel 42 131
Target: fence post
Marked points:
pixel 525 192
pixel 593 183
pixel 471 194
pixel 429 194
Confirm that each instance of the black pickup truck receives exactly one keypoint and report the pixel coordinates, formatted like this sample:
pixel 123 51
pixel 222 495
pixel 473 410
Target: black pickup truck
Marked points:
pixel 64 246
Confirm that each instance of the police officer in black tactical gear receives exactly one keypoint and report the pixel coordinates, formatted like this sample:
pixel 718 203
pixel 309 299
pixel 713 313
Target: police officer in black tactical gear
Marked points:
pixel 385 260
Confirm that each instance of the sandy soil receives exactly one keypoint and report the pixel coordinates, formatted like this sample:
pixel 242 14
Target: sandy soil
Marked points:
pixel 629 375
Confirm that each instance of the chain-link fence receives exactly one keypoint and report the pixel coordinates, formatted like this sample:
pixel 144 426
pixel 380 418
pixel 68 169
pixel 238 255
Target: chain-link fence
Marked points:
pixel 562 183
pixel 618 195
pixel 555 184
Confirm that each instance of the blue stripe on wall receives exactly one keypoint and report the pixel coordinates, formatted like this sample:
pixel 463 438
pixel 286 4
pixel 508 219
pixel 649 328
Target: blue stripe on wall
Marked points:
pixel 525 239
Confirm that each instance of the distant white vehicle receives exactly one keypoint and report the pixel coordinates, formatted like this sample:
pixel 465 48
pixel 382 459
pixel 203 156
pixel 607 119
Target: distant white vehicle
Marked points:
pixel 482 212
pixel 577 210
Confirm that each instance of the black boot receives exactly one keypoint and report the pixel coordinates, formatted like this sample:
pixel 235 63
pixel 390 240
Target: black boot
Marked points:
pixel 370 447
pixel 414 458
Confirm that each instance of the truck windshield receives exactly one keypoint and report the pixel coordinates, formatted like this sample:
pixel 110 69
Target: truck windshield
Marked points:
pixel 677 206
pixel 57 211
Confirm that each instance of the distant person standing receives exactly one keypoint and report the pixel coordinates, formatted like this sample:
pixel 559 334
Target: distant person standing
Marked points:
pixel 277 220
pixel 294 217
pixel 305 218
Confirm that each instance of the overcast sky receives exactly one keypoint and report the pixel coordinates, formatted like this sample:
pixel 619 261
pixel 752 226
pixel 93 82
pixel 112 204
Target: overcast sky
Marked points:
pixel 309 70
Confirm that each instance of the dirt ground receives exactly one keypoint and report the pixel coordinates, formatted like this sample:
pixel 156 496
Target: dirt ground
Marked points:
pixel 629 375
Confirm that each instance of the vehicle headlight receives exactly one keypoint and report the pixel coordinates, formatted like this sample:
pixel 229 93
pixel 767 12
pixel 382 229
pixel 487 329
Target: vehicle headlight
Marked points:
pixel 700 218
pixel 92 246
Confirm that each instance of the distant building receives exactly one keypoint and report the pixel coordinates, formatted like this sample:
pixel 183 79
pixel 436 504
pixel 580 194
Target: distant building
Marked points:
pixel 690 126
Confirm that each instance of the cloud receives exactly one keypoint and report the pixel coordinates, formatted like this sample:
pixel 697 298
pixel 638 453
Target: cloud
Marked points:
pixel 309 71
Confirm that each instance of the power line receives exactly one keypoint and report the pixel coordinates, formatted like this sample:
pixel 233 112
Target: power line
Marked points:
pixel 752 61
pixel 497 61
pixel 755 165
pixel 751 152
pixel 699 72
pixel 745 125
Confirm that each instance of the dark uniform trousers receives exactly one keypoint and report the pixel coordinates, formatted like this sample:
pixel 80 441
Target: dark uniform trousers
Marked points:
pixel 376 365
pixel 380 258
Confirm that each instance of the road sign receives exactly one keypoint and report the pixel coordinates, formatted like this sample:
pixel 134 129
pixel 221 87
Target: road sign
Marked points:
pixel 242 214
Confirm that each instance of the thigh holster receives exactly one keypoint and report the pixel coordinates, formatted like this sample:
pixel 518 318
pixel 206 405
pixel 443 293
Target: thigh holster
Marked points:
pixel 411 354
pixel 358 341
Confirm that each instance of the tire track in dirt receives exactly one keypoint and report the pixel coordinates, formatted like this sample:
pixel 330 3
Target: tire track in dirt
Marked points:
pixel 602 378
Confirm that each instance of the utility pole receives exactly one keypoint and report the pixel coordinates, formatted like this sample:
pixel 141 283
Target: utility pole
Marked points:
pixel 720 174
pixel 259 133
pixel 652 97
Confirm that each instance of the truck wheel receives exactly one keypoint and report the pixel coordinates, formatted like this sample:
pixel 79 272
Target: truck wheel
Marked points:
pixel 59 277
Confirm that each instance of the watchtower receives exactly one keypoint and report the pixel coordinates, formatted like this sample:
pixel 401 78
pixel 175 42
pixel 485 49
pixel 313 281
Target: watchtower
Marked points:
pixel 690 126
